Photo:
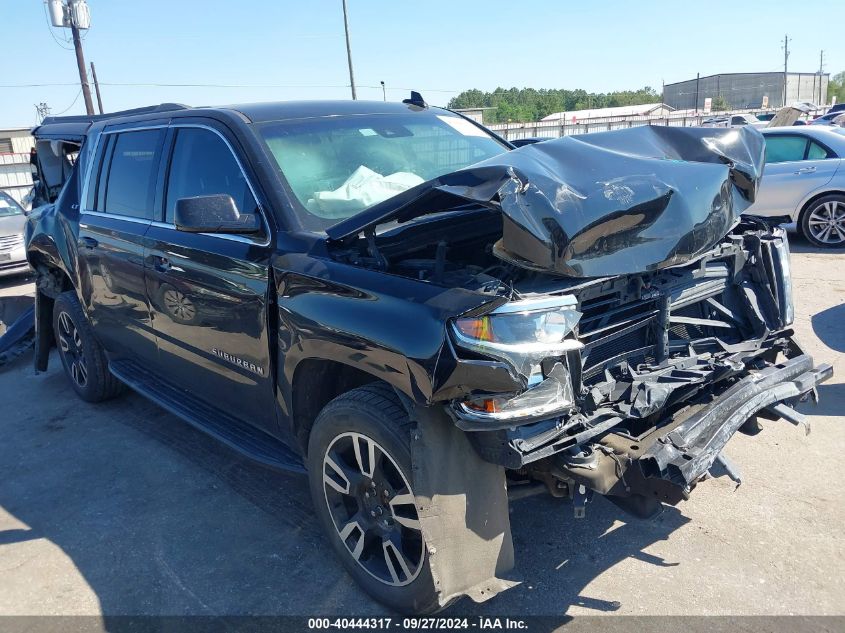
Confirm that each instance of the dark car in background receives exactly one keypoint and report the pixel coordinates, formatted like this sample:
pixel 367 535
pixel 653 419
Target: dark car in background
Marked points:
pixel 391 299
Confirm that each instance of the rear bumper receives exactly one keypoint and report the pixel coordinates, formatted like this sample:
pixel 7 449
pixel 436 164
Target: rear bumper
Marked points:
pixel 686 453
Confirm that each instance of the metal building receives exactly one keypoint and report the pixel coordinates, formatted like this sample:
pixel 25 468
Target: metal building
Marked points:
pixel 15 169
pixel 747 90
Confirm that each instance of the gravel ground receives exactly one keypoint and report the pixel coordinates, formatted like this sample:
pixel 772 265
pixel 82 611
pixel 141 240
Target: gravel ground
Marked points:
pixel 121 508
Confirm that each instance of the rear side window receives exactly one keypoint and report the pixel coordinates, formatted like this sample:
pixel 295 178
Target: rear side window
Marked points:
pixel 782 149
pixel 203 165
pixel 128 187
pixel 817 152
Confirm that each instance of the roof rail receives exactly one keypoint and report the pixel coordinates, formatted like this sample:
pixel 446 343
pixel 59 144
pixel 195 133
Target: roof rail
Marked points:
pixel 91 118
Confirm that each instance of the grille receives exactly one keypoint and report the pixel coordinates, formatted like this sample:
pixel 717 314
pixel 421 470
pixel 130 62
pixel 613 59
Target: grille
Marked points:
pixel 10 242
pixel 613 332
pixel 616 332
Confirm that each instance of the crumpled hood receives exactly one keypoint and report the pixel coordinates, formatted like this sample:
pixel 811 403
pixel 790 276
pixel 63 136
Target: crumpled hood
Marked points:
pixel 600 204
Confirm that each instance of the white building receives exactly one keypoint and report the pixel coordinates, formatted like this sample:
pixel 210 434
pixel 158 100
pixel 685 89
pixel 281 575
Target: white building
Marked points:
pixel 644 109
pixel 15 170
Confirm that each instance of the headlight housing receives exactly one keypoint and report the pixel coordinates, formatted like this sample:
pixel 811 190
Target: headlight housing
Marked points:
pixel 523 334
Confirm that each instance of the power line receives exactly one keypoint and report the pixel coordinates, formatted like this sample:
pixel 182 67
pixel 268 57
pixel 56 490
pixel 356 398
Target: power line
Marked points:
pixel 198 85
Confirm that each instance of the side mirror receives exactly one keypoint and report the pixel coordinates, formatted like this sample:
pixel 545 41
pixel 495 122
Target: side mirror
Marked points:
pixel 217 213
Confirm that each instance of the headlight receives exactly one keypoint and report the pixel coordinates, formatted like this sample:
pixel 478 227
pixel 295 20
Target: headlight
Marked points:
pixel 782 277
pixel 523 334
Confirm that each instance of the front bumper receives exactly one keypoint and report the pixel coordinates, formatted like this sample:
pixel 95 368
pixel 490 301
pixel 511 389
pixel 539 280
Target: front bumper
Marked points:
pixel 686 453
pixel 14 262
pixel 664 462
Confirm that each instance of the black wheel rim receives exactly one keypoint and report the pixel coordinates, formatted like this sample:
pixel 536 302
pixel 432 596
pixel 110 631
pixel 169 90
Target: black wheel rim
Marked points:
pixel 70 345
pixel 373 509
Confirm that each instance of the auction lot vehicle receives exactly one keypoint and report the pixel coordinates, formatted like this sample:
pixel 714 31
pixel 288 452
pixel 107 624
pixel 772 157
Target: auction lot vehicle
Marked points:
pixel 427 321
pixel 804 182
pixel 12 252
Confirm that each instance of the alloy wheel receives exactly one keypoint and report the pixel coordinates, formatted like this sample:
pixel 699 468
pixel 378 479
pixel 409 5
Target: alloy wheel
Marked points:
pixel 827 222
pixel 70 344
pixel 373 509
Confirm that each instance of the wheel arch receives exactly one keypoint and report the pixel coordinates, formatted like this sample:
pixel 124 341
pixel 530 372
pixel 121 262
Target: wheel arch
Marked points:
pixel 813 198
pixel 315 383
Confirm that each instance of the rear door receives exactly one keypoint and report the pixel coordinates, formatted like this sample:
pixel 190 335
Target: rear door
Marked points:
pixel 795 167
pixel 209 292
pixel 117 212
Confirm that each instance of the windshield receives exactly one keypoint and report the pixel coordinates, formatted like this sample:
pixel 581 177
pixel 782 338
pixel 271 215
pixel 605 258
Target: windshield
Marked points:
pixel 338 166
pixel 8 206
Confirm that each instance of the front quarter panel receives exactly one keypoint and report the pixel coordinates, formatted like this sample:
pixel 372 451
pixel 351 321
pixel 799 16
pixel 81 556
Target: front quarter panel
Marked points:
pixel 385 325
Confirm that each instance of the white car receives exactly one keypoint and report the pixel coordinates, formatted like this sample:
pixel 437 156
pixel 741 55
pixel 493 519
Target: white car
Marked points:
pixel 12 251
pixel 804 182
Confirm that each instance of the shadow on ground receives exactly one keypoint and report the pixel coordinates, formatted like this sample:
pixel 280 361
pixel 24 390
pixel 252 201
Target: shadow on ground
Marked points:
pixel 829 327
pixel 160 519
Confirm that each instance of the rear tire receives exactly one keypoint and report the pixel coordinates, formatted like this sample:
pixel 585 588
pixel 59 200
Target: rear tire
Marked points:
pixel 359 467
pixel 82 355
pixel 823 221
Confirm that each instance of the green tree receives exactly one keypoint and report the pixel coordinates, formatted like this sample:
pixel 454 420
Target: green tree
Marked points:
pixel 532 104
pixel 836 88
pixel 720 104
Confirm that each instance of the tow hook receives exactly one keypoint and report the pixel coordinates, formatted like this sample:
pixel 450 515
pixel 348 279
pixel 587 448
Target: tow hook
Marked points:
pixel 580 499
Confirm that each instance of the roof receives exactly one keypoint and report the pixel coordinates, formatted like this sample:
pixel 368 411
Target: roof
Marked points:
pixel 282 110
pixel 74 128
pixel 831 135
pixel 600 113
pixel 768 72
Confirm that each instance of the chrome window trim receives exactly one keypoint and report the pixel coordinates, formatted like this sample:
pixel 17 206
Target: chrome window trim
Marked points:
pixel 115 216
pixel 166 225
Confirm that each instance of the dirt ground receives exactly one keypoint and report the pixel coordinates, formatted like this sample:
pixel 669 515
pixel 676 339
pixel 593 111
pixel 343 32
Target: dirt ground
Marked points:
pixel 121 508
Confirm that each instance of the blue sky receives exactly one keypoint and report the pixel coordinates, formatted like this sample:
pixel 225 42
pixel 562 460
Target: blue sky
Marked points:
pixel 285 49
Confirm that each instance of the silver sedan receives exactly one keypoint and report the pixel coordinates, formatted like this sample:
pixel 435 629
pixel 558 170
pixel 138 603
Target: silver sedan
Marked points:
pixel 12 251
pixel 804 182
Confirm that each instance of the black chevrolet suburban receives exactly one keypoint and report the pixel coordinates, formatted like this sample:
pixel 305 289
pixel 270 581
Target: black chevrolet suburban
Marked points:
pixel 424 319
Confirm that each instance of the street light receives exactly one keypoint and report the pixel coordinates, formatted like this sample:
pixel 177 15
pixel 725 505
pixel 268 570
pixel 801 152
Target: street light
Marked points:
pixel 383 91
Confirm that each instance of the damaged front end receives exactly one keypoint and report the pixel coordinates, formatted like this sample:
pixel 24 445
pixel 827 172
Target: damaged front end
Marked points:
pixel 635 319
pixel 659 371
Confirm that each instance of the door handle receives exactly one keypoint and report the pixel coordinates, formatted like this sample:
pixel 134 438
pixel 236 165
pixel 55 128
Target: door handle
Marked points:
pixel 806 170
pixel 88 242
pixel 161 264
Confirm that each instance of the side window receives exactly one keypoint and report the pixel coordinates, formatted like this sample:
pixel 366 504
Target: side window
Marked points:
pixel 782 149
pixel 817 152
pixel 203 165
pixel 132 170
pixel 97 181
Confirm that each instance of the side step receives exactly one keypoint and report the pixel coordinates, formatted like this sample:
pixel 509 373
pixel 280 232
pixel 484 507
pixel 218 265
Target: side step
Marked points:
pixel 244 438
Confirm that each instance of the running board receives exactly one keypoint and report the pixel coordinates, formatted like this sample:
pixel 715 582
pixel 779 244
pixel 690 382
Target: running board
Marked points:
pixel 241 436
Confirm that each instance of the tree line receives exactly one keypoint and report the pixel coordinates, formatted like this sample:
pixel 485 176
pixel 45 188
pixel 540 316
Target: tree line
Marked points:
pixel 530 104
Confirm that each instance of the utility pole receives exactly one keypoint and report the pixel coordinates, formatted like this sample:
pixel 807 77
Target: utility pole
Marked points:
pixel 821 76
pixel 785 59
pixel 97 88
pixel 349 51
pixel 80 58
pixel 697 78
pixel 383 91
pixel 74 15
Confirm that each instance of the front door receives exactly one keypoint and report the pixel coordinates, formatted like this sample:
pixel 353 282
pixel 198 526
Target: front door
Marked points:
pixel 116 215
pixel 208 292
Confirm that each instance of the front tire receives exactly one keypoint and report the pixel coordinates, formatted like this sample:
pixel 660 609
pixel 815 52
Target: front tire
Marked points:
pixel 823 221
pixel 82 355
pixel 359 466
